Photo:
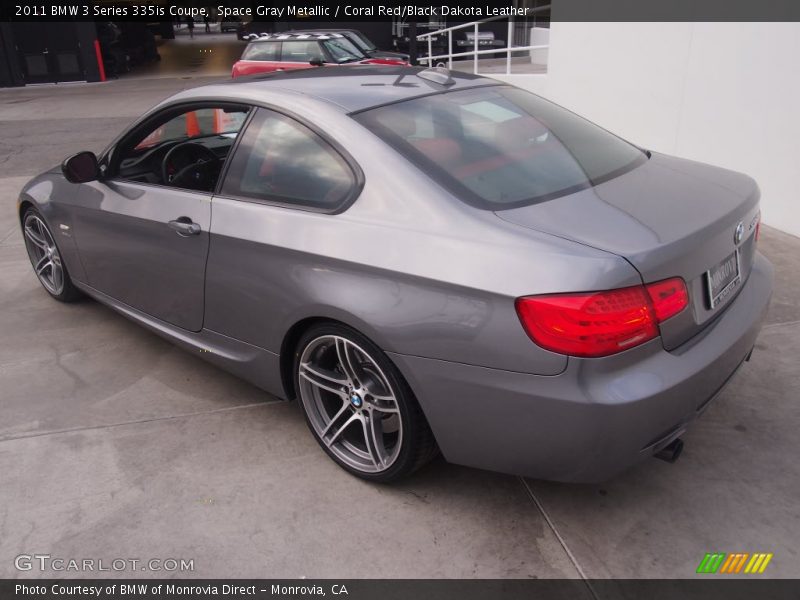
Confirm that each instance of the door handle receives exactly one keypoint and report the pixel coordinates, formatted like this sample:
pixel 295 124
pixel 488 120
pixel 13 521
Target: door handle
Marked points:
pixel 185 227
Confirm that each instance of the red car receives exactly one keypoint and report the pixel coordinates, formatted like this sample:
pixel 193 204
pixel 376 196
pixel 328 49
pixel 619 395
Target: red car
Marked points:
pixel 289 51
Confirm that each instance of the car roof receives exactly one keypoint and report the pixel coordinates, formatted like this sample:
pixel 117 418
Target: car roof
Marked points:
pixel 293 36
pixel 354 88
pixel 324 30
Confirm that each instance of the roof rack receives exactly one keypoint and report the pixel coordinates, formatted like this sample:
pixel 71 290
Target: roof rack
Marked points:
pixel 262 37
pixel 440 75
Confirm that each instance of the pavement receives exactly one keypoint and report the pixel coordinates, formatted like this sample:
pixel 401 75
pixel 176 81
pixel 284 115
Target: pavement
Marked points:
pixel 116 444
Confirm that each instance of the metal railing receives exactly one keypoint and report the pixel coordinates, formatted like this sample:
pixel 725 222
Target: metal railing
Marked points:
pixel 476 52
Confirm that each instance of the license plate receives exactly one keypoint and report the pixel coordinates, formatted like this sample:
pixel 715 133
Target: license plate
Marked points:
pixel 722 279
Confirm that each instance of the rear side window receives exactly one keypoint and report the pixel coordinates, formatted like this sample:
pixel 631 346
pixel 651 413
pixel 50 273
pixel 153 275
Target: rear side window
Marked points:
pixel 502 147
pixel 300 51
pixel 281 160
pixel 262 51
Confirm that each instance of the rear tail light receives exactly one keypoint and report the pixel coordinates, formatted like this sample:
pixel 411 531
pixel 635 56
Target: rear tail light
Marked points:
pixel 598 324
pixel 669 297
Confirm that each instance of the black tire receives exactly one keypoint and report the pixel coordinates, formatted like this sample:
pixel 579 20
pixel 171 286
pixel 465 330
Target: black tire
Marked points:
pixel 66 292
pixel 418 445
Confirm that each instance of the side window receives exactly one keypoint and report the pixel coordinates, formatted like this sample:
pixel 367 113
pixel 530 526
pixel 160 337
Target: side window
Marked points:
pixel 181 147
pixel 281 160
pixel 262 51
pixel 300 51
pixel 194 123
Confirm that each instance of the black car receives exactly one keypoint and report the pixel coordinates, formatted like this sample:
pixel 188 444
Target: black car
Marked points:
pixel 438 47
pixel 463 41
pixel 230 24
pixel 486 40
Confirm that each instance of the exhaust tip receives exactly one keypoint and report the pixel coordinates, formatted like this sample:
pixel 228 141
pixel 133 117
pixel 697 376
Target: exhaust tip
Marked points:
pixel 671 452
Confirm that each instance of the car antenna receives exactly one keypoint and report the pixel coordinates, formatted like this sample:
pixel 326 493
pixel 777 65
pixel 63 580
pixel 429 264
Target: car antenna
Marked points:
pixel 440 75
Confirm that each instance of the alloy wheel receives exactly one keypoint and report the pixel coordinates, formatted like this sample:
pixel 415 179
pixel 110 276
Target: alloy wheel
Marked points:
pixel 44 255
pixel 350 403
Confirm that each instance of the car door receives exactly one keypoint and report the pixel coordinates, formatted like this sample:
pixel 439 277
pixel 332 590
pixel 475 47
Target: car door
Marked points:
pixel 260 56
pixel 143 242
pixel 285 184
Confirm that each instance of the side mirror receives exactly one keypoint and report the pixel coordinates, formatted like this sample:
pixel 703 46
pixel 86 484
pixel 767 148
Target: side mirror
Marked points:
pixel 80 167
pixel 316 62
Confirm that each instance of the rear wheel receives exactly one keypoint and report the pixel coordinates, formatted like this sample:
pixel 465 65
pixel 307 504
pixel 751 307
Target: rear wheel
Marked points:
pixel 358 406
pixel 46 258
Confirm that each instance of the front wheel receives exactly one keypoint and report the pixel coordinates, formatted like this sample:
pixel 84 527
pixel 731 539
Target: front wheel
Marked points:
pixel 46 258
pixel 357 405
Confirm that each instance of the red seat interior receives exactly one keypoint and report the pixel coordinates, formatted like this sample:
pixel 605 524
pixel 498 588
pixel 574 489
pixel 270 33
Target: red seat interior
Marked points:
pixel 443 151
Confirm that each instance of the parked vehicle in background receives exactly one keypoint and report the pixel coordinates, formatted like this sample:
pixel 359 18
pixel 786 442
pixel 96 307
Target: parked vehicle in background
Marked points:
pixel 401 40
pixel 361 41
pixel 116 59
pixel 125 45
pixel 290 51
pixel 465 41
pixel 248 28
pixel 139 42
pixel 230 24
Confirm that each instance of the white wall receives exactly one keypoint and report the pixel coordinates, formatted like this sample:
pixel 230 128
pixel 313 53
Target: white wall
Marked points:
pixel 723 93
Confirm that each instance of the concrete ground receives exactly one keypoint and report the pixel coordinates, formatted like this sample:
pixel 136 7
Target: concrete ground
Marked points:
pixel 115 444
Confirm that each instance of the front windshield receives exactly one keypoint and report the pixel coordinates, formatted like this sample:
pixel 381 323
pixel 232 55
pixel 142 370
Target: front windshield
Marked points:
pixel 360 40
pixel 343 50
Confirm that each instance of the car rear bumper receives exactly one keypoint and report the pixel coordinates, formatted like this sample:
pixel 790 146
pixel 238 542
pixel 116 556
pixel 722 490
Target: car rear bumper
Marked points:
pixel 599 416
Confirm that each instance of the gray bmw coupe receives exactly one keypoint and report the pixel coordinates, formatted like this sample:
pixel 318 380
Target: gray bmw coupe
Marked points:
pixel 428 261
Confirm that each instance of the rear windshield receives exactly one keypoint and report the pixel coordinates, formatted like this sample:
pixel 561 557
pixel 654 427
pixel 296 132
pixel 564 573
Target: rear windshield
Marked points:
pixel 502 147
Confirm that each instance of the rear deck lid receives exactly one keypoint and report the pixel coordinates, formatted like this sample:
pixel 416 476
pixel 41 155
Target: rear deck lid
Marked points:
pixel 668 217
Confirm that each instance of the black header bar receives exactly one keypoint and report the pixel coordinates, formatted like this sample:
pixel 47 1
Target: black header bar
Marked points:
pixel 366 10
